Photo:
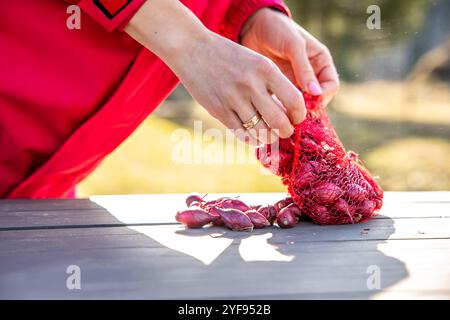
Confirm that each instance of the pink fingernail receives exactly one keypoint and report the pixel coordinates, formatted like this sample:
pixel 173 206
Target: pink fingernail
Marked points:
pixel 314 88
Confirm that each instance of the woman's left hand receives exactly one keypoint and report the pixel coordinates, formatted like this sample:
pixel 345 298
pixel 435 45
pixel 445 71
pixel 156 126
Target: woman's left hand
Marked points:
pixel 300 56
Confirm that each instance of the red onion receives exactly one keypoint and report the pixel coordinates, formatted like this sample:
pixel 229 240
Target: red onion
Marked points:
pixel 355 193
pixel 282 203
pixel 295 209
pixel 258 220
pixel 269 212
pixel 367 207
pixel 216 219
pixel 326 192
pixel 193 217
pixel 235 219
pixel 286 218
pixel 193 198
pixel 233 204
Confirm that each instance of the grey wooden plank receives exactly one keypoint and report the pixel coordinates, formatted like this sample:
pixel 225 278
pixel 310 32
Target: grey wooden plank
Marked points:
pixel 404 210
pixel 150 262
pixel 417 196
pixel 134 210
pixel 59 219
pixel 24 205
pixel 7 205
pixel 166 215
pixel 376 229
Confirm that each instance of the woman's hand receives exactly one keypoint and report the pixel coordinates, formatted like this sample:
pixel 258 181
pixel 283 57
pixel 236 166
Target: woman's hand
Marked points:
pixel 233 83
pixel 300 56
pixel 230 81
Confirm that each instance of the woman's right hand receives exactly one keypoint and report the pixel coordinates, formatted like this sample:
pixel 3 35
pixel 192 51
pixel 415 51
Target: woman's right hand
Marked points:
pixel 231 82
pixel 234 83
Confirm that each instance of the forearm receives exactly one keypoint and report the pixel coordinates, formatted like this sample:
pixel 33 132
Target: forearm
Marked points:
pixel 167 28
pixel 232 82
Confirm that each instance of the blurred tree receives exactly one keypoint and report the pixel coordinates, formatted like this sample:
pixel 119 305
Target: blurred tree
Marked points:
pixel 341 25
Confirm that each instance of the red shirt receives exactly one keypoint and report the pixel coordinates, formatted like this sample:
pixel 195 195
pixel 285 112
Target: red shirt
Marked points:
pixel 70 97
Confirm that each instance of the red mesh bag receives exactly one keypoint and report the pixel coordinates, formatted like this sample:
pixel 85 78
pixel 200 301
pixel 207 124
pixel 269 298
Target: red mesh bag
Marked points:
pixel 328 184
pixel 278 158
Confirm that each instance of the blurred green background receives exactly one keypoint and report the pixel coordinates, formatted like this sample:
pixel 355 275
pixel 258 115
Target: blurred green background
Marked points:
pixel 393 108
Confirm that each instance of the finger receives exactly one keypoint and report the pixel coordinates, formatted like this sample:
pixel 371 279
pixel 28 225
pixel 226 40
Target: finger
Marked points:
pixel 326 72
pixel 232 122
pixel 290 97
pixel 273 115
pixel 261 132
pixel 330 89
pixel 304 72
pixel 285 66
pixel 245 112
pixel 329 81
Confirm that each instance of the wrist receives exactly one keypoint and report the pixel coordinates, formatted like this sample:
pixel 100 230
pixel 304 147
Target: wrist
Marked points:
pixel 263 13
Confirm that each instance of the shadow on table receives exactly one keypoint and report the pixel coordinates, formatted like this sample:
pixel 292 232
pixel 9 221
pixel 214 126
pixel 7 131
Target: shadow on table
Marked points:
pixel 166 261
pixel 308 261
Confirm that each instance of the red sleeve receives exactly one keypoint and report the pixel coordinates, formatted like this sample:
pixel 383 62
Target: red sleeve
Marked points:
pixel 240 10
pixel 111 14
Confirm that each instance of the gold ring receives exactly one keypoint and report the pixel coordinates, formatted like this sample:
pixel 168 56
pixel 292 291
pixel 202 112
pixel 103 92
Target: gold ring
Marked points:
pixel 250 124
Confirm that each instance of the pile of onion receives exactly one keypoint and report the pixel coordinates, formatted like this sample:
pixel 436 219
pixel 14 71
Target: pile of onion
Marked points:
pixel 237 215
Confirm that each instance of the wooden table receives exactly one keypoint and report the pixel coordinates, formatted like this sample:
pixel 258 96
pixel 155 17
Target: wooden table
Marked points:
pixel 131 247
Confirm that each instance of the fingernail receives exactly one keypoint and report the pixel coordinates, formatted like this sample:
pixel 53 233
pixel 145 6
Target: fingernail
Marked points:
pixel 314 88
